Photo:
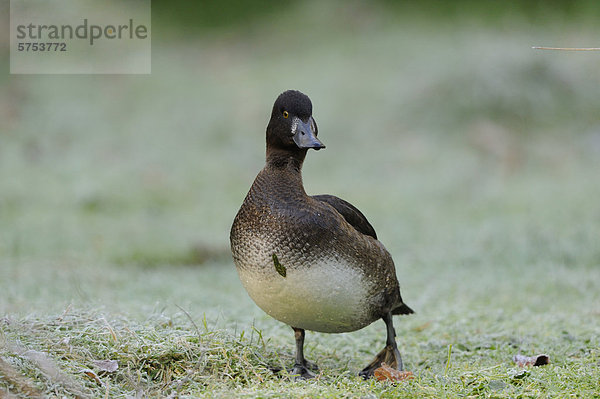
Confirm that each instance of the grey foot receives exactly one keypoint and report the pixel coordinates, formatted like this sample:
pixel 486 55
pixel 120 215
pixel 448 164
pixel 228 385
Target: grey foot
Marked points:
pixel 301 372
pixel 302 368
pixel 389 355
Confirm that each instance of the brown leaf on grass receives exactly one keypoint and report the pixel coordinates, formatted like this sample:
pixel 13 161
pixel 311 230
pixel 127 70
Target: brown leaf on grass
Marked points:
pixel 385 373
pixel 92 375
pixel 539 360
pixel 107 365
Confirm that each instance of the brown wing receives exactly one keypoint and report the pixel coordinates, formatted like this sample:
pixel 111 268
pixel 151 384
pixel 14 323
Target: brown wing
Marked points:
pixel 352 215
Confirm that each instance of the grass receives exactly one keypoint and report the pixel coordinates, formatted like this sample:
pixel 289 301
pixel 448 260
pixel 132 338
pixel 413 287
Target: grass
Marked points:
pixel 217 344
pixel 474 157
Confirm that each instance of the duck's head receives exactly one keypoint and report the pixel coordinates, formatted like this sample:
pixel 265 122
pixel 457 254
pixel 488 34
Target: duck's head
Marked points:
pixel 292 126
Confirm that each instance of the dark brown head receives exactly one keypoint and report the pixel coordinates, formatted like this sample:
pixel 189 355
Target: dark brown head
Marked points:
pixel 292 127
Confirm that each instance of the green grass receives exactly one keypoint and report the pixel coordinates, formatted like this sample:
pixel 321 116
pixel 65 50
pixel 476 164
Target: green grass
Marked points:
pixel 474 157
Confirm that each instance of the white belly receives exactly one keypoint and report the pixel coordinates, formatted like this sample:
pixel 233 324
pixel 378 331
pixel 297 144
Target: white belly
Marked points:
pixel 329 296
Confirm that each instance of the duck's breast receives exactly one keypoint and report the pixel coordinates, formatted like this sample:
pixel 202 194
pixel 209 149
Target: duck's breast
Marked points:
pixel 320 293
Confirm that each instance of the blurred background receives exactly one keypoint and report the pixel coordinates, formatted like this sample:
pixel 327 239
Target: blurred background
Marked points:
pixel 454 137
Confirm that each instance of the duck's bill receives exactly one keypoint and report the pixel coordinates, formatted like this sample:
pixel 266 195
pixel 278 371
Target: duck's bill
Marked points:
pixel 305 135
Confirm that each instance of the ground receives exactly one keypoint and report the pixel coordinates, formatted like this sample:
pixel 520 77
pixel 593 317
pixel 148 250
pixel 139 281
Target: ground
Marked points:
pixel 474 157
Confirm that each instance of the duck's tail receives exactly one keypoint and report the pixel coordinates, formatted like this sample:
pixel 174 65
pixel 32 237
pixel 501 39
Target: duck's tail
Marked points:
pixel 402 309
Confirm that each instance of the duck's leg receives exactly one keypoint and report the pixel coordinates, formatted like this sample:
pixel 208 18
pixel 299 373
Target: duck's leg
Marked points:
pixel 390 354
pixel 301 366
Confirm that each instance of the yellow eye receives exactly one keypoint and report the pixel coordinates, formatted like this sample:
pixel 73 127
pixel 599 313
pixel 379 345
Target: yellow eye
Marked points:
pixel 285 114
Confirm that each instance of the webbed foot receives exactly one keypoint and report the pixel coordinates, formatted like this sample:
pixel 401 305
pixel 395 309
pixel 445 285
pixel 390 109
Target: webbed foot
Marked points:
pixel 303 369
pixel 388 355
pixel 301 372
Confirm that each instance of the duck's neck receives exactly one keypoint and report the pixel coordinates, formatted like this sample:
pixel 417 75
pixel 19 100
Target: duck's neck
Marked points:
pixel 284 171
pixel 286 159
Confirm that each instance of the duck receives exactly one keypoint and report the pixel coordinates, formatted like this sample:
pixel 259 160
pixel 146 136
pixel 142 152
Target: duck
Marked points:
pixel 312 262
